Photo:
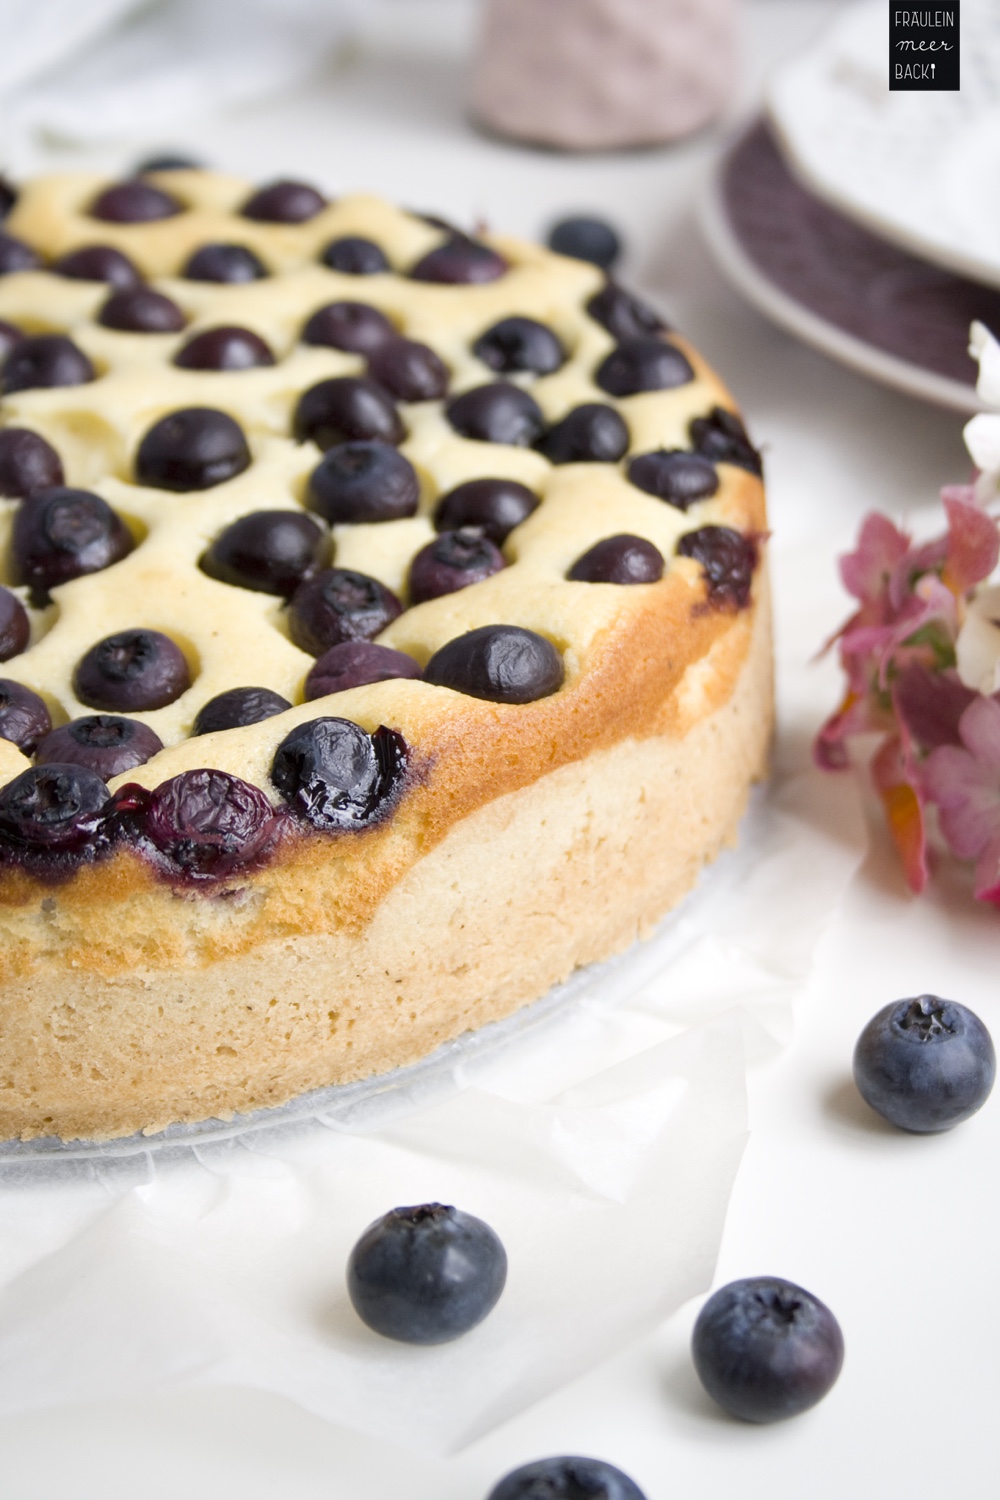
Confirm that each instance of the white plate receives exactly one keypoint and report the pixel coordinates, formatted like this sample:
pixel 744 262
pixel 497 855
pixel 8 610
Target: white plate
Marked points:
pixel 918 168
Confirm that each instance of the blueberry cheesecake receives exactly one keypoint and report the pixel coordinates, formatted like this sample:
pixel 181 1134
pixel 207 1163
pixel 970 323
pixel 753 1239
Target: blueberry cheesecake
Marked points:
pixel 384 634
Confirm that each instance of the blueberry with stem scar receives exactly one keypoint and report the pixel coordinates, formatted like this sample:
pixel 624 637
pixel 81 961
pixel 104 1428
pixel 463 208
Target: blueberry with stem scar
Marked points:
pixel 453 561
pixel 566 1477
pixel 131 671
pixel 107 744
pixel 60 534
pixel 337 605
pixel 925 1064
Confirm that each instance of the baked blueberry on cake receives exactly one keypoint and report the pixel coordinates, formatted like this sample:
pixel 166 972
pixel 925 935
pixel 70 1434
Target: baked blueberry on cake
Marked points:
pixel 383 634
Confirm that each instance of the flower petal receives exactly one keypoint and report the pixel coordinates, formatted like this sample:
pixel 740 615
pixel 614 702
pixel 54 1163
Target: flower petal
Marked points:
pixel 881 546
pixel 903 809
pixel 973 542
pixel 930 704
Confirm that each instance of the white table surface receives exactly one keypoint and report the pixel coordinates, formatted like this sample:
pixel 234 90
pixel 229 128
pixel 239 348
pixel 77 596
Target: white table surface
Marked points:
pixel 898 1234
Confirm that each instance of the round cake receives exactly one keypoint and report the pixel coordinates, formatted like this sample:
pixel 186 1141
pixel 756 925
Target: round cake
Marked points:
pixel 384 634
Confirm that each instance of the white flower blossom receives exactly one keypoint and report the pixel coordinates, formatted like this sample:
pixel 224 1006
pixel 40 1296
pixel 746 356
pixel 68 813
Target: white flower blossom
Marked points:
pixel 982 433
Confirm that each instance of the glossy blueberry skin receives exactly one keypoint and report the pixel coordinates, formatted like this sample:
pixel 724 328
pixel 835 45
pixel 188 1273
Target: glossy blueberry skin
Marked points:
pixel 27 463
pixel 460 262
pixel 192 449
pixel 495 505
pixel 10 335
pixel 61 534
pixel 765 1349
pixel 15 629
pixel 722 437
pixel 586 238
pixel 227 264
pixel 728 560
pixel 15 255
pixel 24 718
pixel 620 559
pixel 237 707
pixel 134 202
pixel 622 314
pixel 98 263
pixel 676 476
pixel 53 808
pixel 141 310
pixel 363 482
pixel 130 671
pixel 354 664
pixel 643 364
pixel 44 360
pixel 925 1064
pixel 353 326
pixel 500 412
pixel 566 1478
pixel 453 561
pixel 337 605
pixel 336 776
pixel 427 1274
pixel 501 663
pixel 104 743
pixel 347 409
pixel 591 433
pixel 408 370
pixel 224 349
pixel 207 823
pixel 353 255
pixel 270 551
pixel 284 202
pixel 520 344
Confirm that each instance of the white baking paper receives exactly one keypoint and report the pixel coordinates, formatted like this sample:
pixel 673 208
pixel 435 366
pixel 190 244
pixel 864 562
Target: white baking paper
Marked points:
pixel 601 1142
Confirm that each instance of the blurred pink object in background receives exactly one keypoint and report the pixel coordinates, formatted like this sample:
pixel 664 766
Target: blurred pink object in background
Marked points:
pixel 587 75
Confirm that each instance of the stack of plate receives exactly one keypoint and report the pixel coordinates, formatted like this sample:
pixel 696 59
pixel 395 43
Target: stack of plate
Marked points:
pixel 868 222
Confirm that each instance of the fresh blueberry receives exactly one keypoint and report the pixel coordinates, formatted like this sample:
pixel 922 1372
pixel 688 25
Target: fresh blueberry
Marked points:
pixel 460 262
pixel 15 255
pixel 237 707
pixel 722 437
pixel 427 1274
pixel 764 1349
pixel 15 629
pixel 728 560
pixel 271 551
pixel 141 310
pixel 27 463
pixel 453 561
pixel 497 413
pixel 566 1478
pixel 591 433
pixel 224 349
pixel 10 335
pixel 363 482
pixel 925 1064
pixel 674 475
pixel 105 743
pixel 643 364
pixel 520 344
pixel 353 326
pixel 586 238
pixel 229 264
pixel 98 263
pixel 339 605
pixel 355 663
pixel 168 161
pixel 408 370
pixel 619 559
pixel 192 449
pixel 284 203
pixel 134 202
pixel 24 718
pixel 44 360
pixel 353 255
pixel 53 809
pixel 61 534
pixel 622 314
pixel 495 505
pixel 338 777
pixel 347 409
pixel 207 822
pixel 131 671
pixel 501 663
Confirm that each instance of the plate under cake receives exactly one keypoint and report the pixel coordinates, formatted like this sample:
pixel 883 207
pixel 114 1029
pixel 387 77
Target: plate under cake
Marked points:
pixel 330 892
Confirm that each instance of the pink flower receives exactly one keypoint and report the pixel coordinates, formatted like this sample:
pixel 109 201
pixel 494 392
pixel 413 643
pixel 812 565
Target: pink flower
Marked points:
pixel 964 781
